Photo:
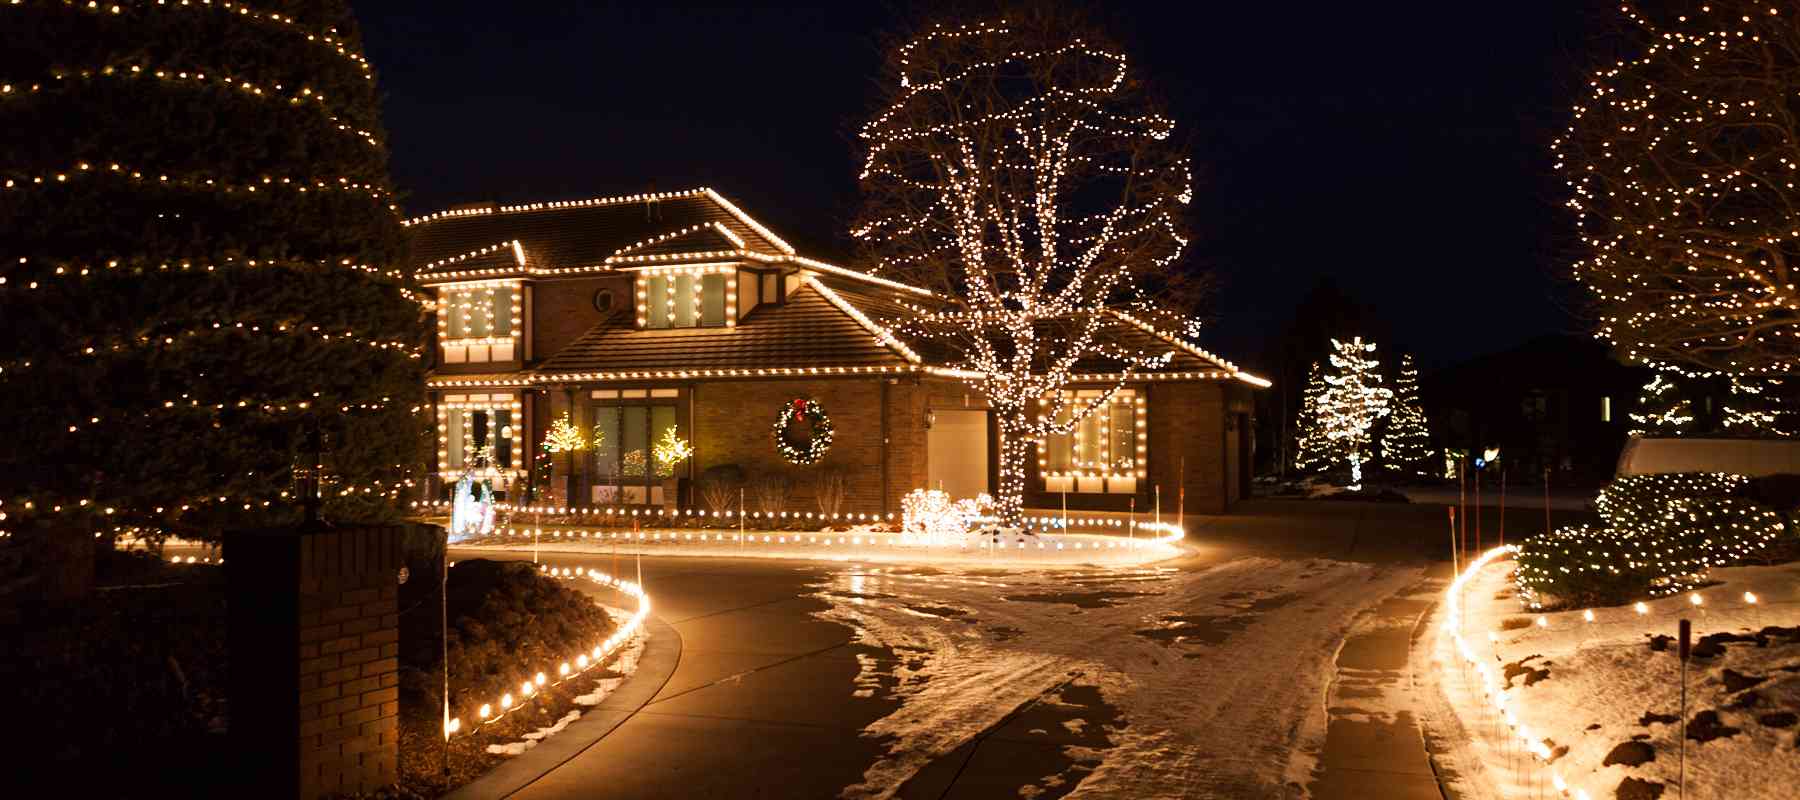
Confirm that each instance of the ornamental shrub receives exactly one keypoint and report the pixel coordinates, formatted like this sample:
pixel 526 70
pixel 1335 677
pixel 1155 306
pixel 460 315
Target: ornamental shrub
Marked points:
pixel 1630 502
pixel 1663 534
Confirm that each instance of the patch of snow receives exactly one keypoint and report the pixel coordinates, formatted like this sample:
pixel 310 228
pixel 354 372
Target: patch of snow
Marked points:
pixel 1604 681
pixel 1231 719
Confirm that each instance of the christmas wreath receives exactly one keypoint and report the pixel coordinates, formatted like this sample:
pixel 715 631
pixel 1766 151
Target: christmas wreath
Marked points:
pixel 790 444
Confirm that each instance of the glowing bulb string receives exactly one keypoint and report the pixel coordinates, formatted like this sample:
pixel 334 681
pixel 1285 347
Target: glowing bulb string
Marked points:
pixel 197 78
pixel 576 665
pixel 329 38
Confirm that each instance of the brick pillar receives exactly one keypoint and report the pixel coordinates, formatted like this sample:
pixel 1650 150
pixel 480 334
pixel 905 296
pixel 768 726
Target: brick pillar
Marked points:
pixel 314 639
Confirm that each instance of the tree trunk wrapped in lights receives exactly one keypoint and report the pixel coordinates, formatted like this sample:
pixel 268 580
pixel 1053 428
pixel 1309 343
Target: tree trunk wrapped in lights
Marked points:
pixel 1018 173
pixel 1406 444
pixel 201 267
pixel 1682 160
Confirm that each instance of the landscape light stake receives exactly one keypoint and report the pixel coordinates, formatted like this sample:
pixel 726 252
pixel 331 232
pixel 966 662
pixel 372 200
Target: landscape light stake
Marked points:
pixel 1455 559
pixel 1503 506
pixel 1477 512
pixel 1685 647
pixel 1462 503
pixel 1546 499
pixel 740 517
pixel 444 647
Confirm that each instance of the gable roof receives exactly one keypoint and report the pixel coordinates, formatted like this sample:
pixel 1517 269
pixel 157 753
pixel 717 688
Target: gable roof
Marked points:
pixel 571 235
pixel 807 332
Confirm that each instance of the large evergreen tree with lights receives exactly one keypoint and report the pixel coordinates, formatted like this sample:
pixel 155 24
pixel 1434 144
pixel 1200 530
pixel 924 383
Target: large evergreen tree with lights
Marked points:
pixel 201 271
pixel 1406 443
pixel 1313 451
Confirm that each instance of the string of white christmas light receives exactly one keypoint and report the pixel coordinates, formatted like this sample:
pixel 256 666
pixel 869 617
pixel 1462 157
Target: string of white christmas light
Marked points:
pixel 305 97
pixel 576 665
pixel 18 180
pixel 330 38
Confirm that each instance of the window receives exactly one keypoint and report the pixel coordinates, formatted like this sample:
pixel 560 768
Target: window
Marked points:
pixel 691 299
pixel 476 432
pixel 624 466
pixel 477 312
pixel 1104 451
pixel 603 300
pixel 1606 409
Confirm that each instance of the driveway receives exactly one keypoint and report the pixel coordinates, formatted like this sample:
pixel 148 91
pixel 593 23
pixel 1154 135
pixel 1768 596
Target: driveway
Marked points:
pixel 1205 677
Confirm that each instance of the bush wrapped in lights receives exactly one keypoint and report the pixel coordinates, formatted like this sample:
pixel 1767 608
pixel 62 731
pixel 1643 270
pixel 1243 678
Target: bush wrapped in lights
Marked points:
pixel 1630 502
pixel 1663 534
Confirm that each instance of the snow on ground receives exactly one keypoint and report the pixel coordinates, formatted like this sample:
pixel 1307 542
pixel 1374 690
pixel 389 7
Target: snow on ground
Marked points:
pixel 1602 691
pixel 624 664
pixel 1212 679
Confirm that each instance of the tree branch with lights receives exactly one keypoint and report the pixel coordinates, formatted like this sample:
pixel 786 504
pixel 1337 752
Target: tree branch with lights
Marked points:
pixel 1681 161
pixel 1018 172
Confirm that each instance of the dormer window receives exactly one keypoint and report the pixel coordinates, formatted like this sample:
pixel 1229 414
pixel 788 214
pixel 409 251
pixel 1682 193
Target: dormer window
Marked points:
pixel 687 297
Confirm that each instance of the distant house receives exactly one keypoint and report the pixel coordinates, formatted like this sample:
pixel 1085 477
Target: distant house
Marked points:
pixel 1556 402
pixel 642 314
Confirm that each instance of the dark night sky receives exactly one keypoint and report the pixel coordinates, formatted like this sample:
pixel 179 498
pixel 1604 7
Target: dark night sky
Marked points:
pixel 1400 148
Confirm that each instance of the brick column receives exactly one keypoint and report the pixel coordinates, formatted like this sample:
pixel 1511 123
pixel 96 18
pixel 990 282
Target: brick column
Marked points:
pixel 314 639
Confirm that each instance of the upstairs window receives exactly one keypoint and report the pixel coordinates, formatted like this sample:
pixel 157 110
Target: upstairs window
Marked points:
pixel 481 312
pixel 688 298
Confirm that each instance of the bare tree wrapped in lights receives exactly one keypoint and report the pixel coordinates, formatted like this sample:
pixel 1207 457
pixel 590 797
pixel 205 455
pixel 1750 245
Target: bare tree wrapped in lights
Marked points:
pixel 1682 161
pixel 1016 172
pixel 1662 410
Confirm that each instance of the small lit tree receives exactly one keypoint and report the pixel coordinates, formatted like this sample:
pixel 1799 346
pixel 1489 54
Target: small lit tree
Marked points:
pixel 1353 400
pixel 1406 444
pixel 1762 407
pixel 1661 409
pixel 1017 172
pixel 1312 449
pixel 1681 161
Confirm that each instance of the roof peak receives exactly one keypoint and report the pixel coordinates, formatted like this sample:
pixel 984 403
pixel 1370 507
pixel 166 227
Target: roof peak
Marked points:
pixel 481 209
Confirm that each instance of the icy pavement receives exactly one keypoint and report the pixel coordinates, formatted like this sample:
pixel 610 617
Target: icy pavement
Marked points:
pixel 1141 682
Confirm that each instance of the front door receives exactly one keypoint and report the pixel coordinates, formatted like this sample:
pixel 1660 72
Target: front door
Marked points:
pixel 625 468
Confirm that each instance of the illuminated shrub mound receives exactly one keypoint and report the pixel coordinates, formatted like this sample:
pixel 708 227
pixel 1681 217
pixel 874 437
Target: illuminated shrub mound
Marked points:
pixel 1663 533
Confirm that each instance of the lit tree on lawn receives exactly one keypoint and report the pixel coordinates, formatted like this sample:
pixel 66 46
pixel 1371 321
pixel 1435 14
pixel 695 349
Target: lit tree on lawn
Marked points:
pixel 1761 406
pixel 1682 161
pixel 1406 444
pixel 201 281
pixel 1016 172
pixel 1661 409
pixel 1313 451
pixel 1353 400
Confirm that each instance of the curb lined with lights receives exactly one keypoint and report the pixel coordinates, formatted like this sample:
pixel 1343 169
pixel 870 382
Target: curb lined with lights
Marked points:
pixel 1496 693
pixel 576 665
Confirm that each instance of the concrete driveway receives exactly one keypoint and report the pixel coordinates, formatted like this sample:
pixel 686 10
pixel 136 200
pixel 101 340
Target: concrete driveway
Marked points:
pixel 826 679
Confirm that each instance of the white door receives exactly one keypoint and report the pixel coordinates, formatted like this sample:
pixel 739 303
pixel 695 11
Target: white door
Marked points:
pixel 957 452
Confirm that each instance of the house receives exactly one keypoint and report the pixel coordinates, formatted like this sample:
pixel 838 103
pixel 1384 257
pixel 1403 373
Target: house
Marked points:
pixel 677 314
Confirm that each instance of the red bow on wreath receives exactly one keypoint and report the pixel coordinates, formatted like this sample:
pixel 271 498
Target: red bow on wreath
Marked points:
pixel 799 408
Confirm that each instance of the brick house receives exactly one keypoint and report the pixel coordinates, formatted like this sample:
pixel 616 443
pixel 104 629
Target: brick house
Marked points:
pixel 637 314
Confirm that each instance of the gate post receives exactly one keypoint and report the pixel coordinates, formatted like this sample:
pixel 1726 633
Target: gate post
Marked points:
pixel 314 644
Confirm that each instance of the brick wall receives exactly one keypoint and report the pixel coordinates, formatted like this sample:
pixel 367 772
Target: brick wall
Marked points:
pixel 563 310
pixel 731 425
pixel 1187 420
pixel 314 655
